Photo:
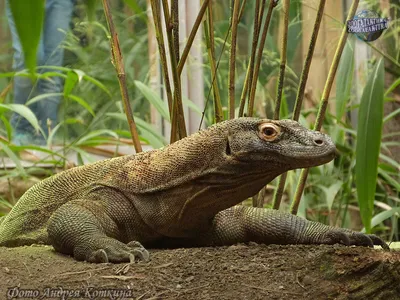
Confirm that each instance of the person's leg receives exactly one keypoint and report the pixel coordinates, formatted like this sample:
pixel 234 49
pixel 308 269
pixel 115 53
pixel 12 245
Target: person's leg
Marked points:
pixel 23 87
pixel 57 22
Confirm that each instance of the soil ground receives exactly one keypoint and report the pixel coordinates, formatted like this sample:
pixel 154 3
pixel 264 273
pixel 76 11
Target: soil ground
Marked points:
pixel 236 272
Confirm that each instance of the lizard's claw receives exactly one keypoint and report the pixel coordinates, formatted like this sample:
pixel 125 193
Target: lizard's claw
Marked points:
pixel 353 238
pixel 119 252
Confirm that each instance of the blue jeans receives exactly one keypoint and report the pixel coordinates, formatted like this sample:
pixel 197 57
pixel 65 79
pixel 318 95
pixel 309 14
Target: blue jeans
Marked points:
pixel 50 53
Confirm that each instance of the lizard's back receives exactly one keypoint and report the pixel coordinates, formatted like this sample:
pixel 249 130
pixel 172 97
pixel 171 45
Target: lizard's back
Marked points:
pixel 26 223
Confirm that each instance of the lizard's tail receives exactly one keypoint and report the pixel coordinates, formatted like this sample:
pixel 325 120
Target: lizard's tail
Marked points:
pixel 2 219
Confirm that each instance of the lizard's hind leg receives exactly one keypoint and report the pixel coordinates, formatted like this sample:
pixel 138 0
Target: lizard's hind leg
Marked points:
pixel 83 229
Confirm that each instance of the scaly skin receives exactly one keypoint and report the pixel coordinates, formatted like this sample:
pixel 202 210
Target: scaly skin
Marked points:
pixel 181 195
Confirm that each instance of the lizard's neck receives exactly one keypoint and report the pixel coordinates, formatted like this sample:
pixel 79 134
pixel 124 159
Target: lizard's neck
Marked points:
pixel 188 182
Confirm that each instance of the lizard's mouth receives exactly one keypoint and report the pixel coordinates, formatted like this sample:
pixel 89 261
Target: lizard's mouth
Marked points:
pixel 309 157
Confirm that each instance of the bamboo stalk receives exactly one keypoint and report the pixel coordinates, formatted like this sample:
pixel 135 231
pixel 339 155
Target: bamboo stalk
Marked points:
pixel 308 60
pixel 119 67
pixel 219 60
pixel 286 4
pixel 253 87
pixel 232 59
pixel 250 68
pixel 209 38
pixel 175 27
pixel 300 94
pixel 324 102
pixel 178 127
pixel 155 7
pixel 192 35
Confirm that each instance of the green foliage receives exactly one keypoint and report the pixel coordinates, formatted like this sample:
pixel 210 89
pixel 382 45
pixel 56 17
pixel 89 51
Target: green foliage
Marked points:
pixel 28 12
pixel 369 133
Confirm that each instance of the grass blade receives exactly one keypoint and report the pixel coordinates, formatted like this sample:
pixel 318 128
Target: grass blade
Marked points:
pixel 369 133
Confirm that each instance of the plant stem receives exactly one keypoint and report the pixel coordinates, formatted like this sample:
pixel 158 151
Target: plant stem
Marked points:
pixel 178 127
pixel 192 35
pixel 250 68
pixel 259 57
pixel 286 4
pixel 324 102
pixel 219 60
pixel 155 7
pixel 119 67
pixel 300 93
pixel 209 38
pixel 232 59
pixel 307 62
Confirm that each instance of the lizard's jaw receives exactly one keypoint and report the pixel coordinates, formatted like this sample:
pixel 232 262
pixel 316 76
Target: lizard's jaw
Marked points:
pixel 312 158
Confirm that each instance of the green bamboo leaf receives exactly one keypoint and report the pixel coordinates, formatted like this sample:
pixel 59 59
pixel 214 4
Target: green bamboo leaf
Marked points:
pixel 70 82
pixel 25 112
pixel 344 79
pixel 136 9
pixel 382 216
pixel 13 157
pixel 83 103
pixel 392 87
pixel 391 115
pixel 7 126
pixel 154 99
pixel 94 134
pixel 149 133
pixel 91 9
pixel 331 192
pixel 41 97
pixel 369 133
pixel 145 128
pixel 97 83
pixel 28 17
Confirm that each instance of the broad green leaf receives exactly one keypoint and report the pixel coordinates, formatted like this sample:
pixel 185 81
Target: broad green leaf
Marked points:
pixel 369 133
pixel 25 112
pixel 28 17
pixel 154 99
pixel 344 79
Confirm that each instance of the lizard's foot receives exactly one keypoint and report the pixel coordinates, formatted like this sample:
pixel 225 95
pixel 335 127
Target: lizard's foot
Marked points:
pixel 115 251
pixel 349 238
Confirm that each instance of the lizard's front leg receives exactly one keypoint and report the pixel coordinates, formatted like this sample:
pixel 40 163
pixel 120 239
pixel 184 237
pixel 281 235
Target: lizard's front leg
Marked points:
pixel 83 229
pixel 245 224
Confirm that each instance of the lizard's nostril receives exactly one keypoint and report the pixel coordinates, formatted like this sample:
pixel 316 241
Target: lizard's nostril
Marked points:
pixel 318 142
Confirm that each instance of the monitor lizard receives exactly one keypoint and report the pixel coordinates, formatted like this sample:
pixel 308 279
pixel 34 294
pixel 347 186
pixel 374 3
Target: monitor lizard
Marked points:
pixel 182 195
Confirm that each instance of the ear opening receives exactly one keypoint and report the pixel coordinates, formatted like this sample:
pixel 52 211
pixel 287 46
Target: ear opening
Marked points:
pixel 228 148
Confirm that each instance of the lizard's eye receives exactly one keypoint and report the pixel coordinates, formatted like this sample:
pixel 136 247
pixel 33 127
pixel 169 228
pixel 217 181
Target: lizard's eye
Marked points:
pixel 269 132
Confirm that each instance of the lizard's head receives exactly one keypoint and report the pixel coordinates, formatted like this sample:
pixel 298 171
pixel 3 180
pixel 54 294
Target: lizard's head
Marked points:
pixel 282 143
